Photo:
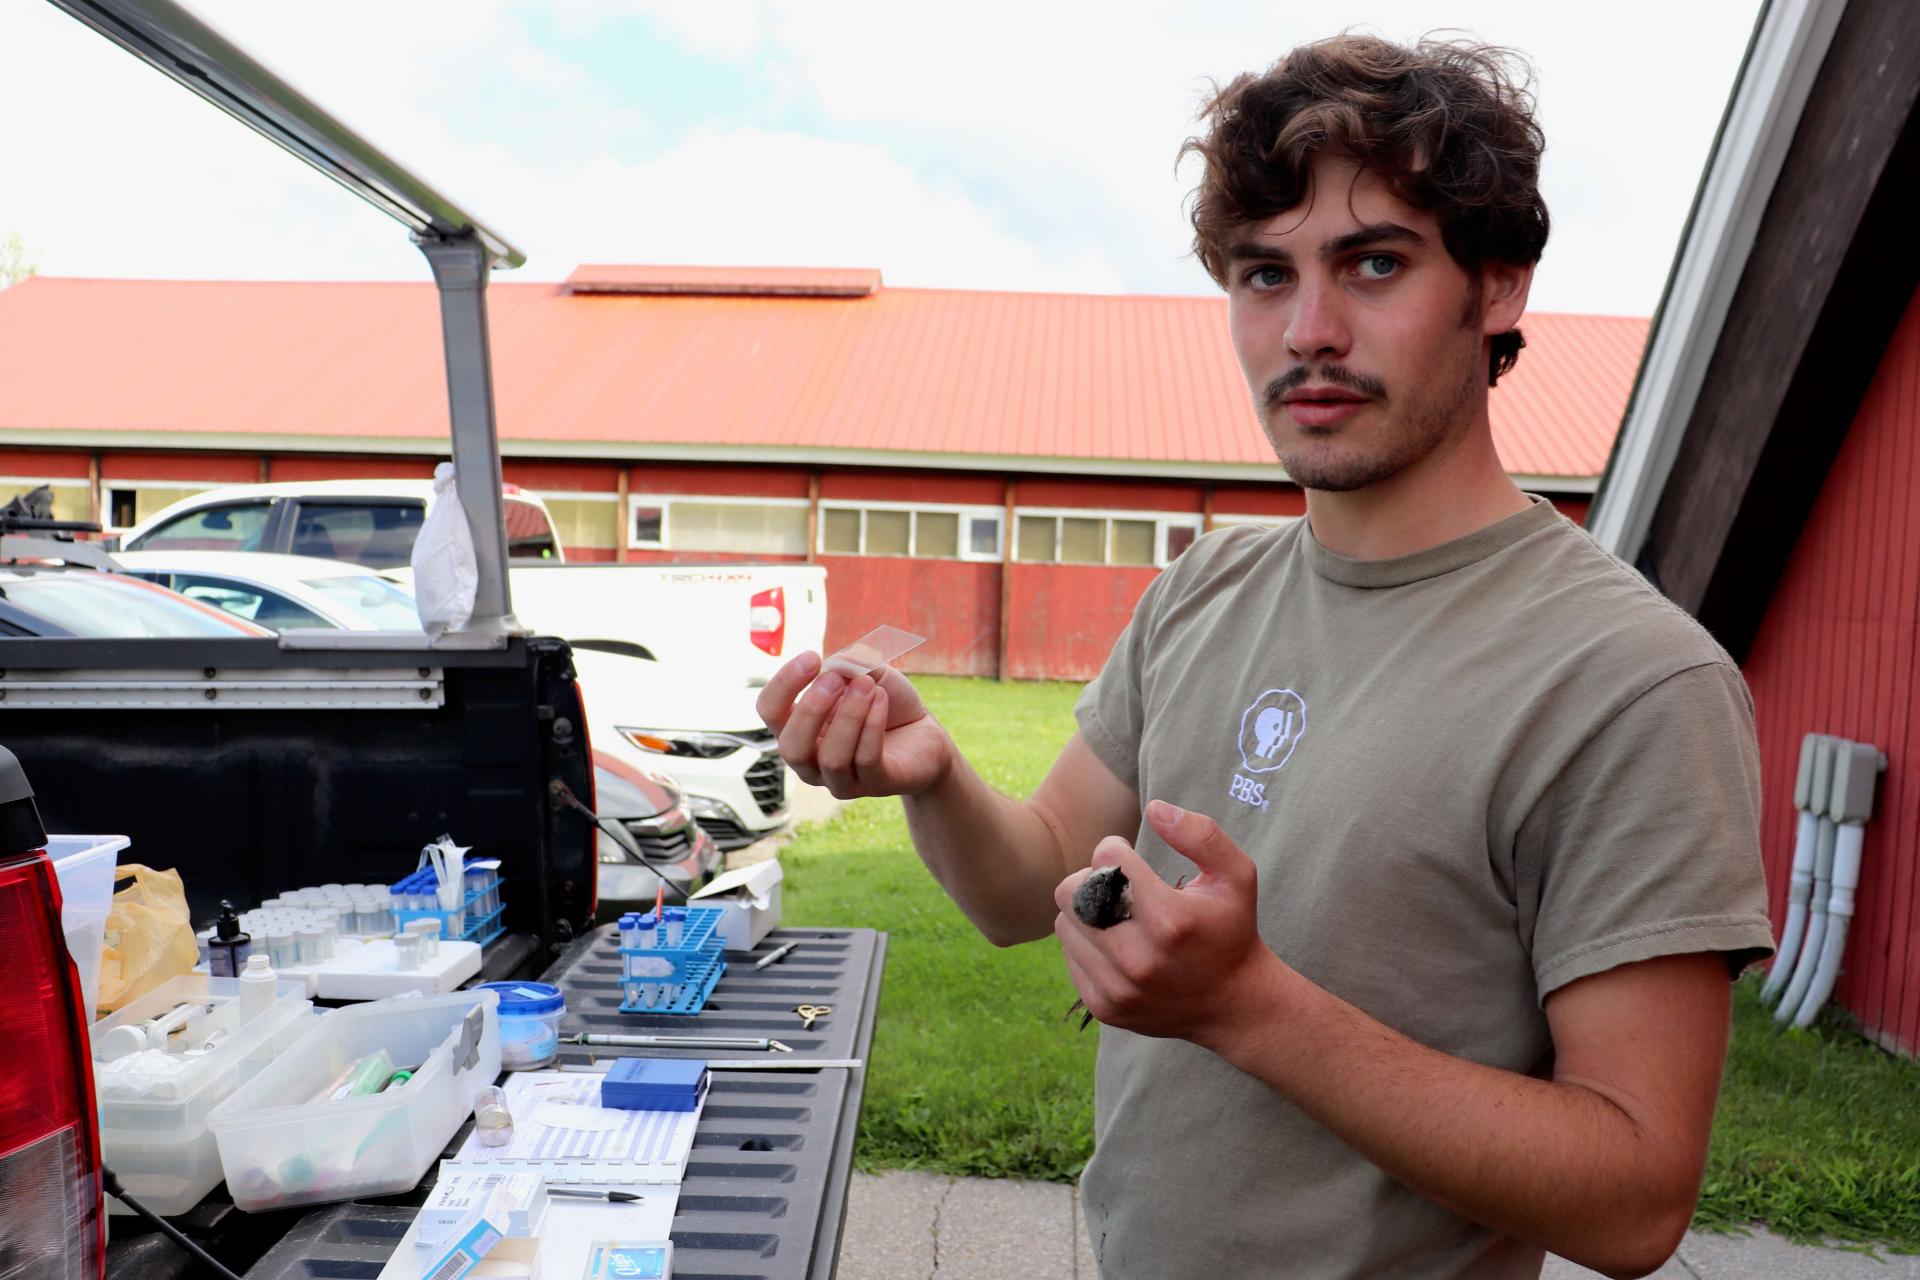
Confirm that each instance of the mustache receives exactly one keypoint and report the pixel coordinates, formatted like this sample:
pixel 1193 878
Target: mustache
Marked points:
pixel 1331 375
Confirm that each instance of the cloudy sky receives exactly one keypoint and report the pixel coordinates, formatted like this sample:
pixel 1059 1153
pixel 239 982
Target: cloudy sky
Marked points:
pixel 996 145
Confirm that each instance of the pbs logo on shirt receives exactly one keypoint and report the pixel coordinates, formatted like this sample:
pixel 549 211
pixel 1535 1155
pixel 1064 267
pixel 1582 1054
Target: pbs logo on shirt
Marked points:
pixel 1270 729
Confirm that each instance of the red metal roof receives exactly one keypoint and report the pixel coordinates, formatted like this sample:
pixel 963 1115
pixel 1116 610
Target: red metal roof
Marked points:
pixel 1130 383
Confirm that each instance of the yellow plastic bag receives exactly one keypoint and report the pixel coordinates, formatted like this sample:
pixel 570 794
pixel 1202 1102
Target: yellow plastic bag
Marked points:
pixel 149 935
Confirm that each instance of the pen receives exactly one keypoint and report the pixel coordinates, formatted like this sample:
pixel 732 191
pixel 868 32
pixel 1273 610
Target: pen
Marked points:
pixel 620 1197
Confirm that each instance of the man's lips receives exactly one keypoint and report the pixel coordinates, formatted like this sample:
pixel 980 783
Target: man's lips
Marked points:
pixel 1321 393
pixel 1323 406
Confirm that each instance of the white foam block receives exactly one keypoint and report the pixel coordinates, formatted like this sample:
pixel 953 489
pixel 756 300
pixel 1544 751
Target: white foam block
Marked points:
pixel 371 971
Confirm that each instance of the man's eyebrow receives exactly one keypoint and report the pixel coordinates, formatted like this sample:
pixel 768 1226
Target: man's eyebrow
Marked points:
pixel 1364 237
pixel 1367 236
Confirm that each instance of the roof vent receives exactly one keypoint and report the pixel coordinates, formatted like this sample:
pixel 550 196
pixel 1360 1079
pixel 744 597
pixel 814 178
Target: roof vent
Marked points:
pixel 753 282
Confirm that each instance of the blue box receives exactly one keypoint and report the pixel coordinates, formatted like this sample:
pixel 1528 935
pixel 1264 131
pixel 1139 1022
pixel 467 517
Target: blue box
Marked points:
pixel 654 1084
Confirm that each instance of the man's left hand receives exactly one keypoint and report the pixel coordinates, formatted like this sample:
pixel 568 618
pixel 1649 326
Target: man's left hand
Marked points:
pixel 1190 963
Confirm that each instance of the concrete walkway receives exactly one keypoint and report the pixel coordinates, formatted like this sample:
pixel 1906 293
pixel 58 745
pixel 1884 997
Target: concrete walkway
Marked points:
pixel 923 1226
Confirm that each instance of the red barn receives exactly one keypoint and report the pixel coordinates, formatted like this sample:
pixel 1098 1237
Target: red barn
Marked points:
pixel 1002 472
pixel 1768 473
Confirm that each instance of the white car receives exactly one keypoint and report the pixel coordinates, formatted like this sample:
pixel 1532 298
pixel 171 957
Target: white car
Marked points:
pixel 704 735
pixel 281 592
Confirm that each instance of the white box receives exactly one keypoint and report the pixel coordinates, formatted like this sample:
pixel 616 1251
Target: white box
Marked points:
pixel 280 1148
pixel 85 867
pixel 153 1129
pixel 751 897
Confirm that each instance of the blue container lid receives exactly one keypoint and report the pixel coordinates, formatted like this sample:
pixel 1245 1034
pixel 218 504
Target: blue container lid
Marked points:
pixel 646 920
pixel 676 913
pixel 526 999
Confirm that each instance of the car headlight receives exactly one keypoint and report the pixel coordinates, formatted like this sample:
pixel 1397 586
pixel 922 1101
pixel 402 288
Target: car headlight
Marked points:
pixel 701 746
pixel 706 807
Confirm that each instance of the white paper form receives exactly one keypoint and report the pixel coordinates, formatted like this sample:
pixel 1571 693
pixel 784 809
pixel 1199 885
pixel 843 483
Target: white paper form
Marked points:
pixel 560 1129
pixel 566 1234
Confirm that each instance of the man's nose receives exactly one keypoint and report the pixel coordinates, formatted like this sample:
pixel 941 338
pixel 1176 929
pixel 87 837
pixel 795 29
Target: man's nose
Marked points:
pixel 1317 327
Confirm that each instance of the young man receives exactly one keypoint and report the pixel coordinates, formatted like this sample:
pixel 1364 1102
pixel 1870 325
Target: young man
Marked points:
pixel 1473 809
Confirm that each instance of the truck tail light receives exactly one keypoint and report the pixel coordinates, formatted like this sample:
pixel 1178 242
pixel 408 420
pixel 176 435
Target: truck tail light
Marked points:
pixel 769 620
pixel 51 1224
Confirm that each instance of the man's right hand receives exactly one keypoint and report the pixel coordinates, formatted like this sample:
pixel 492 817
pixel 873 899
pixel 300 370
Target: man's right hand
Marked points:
pixel 868 736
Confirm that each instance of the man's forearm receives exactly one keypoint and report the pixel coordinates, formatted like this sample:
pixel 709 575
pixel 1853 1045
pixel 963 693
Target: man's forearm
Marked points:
pixel 996 857
pixel 1551 1163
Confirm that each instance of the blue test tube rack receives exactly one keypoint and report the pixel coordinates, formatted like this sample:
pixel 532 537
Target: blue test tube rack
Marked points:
pixel 648 985
pixel 479 918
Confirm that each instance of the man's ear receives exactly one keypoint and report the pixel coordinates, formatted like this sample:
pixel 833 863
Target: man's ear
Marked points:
pixel 1503 296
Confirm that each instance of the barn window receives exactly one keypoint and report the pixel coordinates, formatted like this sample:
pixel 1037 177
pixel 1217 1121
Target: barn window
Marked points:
pixel 586 520
pixel 1066 536
pixel 739 525
pixel 923 531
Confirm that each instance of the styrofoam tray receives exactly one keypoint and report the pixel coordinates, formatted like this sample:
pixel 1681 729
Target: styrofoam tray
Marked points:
pixel 371 971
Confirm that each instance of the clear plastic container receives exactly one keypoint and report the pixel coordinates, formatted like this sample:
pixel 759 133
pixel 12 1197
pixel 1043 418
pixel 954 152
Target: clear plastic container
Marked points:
pixel 530 1014
pixel 279 1148
pixel 153 1127
pixel 84 866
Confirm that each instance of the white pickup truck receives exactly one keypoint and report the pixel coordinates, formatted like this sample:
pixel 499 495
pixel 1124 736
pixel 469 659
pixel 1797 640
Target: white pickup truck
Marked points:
pixel 730 624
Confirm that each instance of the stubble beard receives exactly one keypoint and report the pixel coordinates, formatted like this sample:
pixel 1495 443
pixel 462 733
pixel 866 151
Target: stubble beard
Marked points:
pixel 1426 424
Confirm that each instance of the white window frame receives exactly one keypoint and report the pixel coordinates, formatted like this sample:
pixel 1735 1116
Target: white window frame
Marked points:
pixel 966 512
pixel 549 496
pixel 107 488
pixel 1162 521
pixel 665 502
pixel 1224 519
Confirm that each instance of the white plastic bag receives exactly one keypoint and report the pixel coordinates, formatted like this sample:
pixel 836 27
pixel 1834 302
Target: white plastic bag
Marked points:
pixel 445 577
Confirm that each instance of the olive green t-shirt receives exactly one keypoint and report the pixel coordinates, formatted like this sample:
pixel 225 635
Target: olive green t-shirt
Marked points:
pixel 1468 777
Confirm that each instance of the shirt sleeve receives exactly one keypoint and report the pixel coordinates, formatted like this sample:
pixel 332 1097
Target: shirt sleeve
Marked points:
pixel 1647 843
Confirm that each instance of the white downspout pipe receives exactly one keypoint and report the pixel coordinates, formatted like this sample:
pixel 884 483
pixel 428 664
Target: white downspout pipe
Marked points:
pixel 1857 767
pixel 1800 890
pixel 1809 958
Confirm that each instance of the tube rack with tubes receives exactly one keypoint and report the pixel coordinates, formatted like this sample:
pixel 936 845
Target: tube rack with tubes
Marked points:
pixel 476 919
pixel 673 979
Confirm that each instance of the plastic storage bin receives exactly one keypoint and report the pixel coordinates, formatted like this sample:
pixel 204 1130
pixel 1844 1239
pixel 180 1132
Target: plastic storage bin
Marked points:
pixel 153 1127
pixel 84 865
pixel 680 978
pixel 279 1148
pixel 530 1014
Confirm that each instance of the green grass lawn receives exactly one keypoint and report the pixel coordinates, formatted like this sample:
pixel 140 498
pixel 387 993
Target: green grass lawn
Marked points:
pixel 974 1072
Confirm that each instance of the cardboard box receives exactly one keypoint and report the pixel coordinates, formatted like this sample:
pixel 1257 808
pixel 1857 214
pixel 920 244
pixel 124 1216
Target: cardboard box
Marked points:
pixel 751 897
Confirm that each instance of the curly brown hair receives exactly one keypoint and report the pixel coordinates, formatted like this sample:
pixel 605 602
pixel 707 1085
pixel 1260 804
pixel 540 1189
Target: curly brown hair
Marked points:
pixel 1449 127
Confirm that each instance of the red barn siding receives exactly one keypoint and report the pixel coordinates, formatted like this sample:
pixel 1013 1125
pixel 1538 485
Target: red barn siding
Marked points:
pixel 954 603
pixel 699 478
pixel 561 477
pixel 1113 495
pixel 1260 500
pixel 295 468
pixel 195 468
pixel 1065 618
pixel 1837 653
pixel 965 490
pixel 50 463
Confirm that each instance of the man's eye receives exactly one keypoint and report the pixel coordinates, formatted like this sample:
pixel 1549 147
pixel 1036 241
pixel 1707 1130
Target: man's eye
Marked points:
pixel 1378 266
pixel 1267 277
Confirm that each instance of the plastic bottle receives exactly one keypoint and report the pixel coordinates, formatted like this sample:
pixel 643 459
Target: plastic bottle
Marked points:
pixel 676 923
pixel 228 949
pixel 257 988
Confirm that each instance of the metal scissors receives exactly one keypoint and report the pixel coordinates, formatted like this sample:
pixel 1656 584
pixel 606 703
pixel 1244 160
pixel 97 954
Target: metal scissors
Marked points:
pixel 808 1012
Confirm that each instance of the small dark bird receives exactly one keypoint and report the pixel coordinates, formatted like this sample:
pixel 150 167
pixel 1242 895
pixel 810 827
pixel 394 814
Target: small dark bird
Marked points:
pixel 1103 899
